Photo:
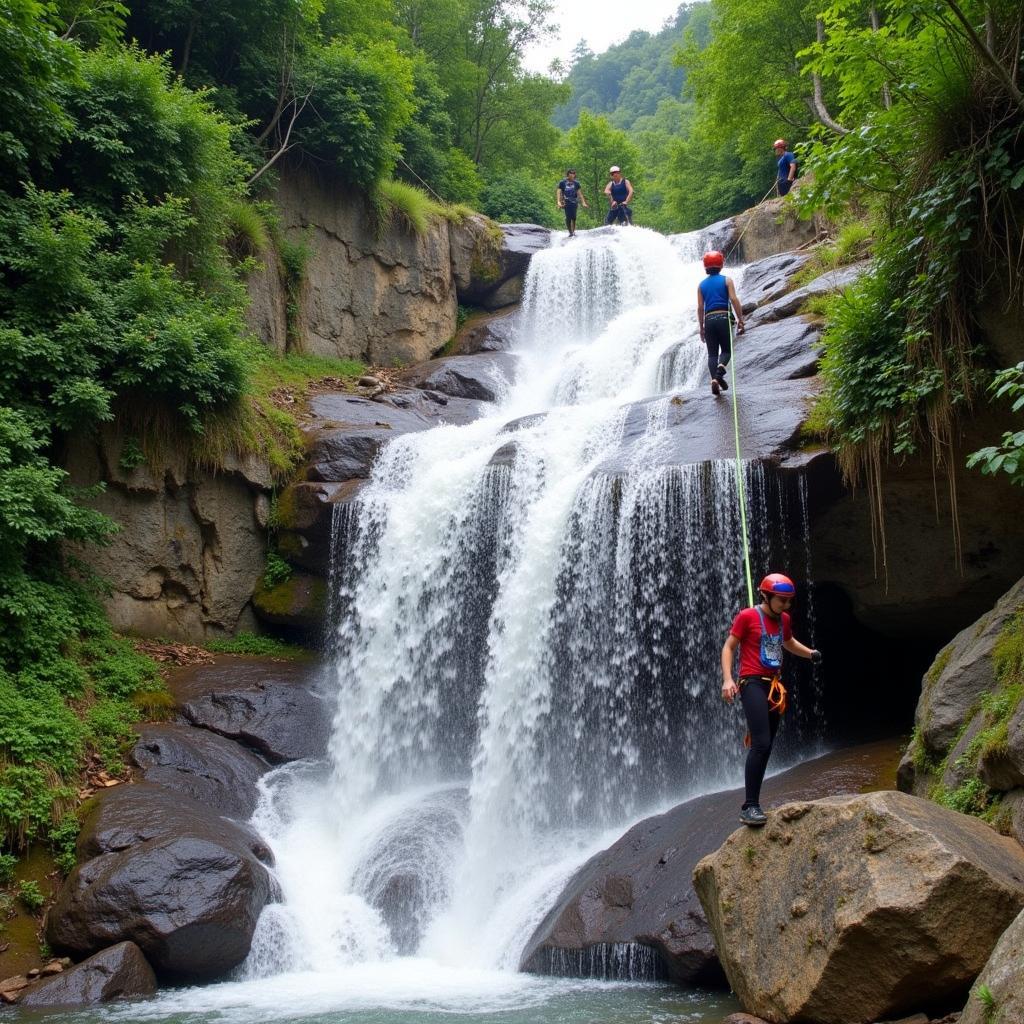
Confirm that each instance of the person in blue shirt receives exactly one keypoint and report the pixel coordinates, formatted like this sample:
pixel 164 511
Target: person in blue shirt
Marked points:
pixel 620 194
pixel 715 294
pixel 568 195
pixel 787 167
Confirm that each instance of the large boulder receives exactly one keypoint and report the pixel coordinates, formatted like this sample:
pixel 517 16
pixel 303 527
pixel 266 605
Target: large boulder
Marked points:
pixel 483 377
pixel 997 997
pixel 488 332
pixel 490 261
pixel 952 688
pixel 118 972
pixel 217 772
pixel 281 721
pixel 168 873
pixel 347 432
pixel 771 227
pixel 858 909
pixel 769 278
pixel 298 603
pixel 638 892
pixel 791 302
pixel 305 520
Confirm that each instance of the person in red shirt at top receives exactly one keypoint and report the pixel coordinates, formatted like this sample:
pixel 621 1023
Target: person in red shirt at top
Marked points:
pixel 761 633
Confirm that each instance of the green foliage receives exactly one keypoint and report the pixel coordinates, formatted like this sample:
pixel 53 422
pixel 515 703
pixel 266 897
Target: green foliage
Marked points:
pixel 409 205
pixel 362 103
pixel 1007 457
pixel 8 862
pixel 63 837
pixel 971 797
pixel 988 1002
pixel 519 199
pixel 277 570
pixel 30 894
pixel 591 148
pixel 35 67
pixel 257 646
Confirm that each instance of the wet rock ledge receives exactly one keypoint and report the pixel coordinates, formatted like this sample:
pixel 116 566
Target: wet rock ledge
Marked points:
pixel 171 880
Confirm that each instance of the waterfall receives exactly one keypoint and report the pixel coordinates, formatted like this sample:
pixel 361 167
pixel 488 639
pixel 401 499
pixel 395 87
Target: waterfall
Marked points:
pixel 525 643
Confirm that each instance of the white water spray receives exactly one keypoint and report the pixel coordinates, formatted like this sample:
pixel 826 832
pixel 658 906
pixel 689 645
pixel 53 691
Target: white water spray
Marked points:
pixel 526 646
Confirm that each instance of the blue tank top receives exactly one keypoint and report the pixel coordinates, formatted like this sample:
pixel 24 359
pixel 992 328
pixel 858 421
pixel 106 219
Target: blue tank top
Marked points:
pixel 715 289
pixel 620 190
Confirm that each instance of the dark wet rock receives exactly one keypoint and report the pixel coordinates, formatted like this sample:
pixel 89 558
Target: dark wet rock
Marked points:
pixel 699 427
pixel 721 235
pixel 639 889
pixel 494 332
pixel 483 377
pixel 218 772
pixel 792 302
pixel 523 422
pixel 1003 978
pixel 768 279
pixel 489 267
pixel 952 687
pixel 305 518
pixel 1002 765
pixel 505 455
pixel 348 432
pixel 118 972
pixel 784 350
pixel 168 873
pixel 229 673
pixel 298 603
pixel 855 909
pixel 281 721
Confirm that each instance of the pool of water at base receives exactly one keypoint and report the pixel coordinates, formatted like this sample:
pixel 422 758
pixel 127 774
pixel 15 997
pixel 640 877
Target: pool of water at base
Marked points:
pixel 419 993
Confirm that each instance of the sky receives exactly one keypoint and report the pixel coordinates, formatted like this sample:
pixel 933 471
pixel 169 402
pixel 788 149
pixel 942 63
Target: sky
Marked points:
pixel 601 23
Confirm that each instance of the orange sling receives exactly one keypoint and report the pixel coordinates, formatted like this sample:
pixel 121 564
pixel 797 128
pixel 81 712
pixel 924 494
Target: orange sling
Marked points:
pixel 776 700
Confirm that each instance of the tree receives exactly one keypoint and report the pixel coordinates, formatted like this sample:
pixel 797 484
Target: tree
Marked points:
pixel 592 147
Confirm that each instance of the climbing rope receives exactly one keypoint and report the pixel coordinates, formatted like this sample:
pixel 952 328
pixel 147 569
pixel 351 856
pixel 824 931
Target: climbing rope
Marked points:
pixel 740 483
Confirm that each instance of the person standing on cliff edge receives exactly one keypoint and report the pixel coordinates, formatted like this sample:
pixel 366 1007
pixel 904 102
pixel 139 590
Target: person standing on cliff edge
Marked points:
pixel 761 633
pixel 620 194
pixel 568 195
pixel 787 167
pixel 715 294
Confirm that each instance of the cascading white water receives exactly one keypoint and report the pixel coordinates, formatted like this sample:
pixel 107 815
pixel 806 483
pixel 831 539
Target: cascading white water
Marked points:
pixel 526 642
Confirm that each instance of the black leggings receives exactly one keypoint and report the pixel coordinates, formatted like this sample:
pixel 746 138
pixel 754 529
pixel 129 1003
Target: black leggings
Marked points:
pixel 763 725
pixel 716 336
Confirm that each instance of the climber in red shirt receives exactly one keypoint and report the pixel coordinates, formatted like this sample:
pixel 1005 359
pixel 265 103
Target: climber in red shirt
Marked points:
pixel 761 633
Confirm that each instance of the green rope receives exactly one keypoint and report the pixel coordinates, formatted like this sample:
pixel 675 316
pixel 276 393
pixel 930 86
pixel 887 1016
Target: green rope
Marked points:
pixel 740 486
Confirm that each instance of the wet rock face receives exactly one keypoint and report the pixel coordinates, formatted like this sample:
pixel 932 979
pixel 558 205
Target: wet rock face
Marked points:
pixel 219 773
pixel 846 910
pixel 998 994
pixel 771 227
pixel 281 721
pixel 963 671
pixel 191 547
pixel 169 874
pixel 119 972
pixel 484 377
pixel 638 891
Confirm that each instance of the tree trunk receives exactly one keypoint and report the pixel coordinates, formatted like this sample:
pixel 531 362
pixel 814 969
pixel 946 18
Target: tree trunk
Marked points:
pixel 820 110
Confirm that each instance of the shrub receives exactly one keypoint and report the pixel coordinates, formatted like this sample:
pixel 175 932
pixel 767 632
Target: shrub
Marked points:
pixel 514 198
pixel 31 895
pixel 411 206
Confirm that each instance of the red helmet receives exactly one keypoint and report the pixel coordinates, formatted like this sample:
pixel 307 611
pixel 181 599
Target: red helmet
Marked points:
pixel 776 583
pixel 713 259
pixel 779 142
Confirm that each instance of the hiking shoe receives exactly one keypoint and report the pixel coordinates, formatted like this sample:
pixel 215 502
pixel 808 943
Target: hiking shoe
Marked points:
pixel 753 816
pixel 716 388
pixel 721 378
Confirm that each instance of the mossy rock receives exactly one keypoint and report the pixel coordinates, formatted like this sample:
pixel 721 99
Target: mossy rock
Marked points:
pixel 299 602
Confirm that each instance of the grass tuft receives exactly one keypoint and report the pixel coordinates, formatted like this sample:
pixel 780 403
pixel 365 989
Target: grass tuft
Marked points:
pixel 258 646
pixel 408 205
